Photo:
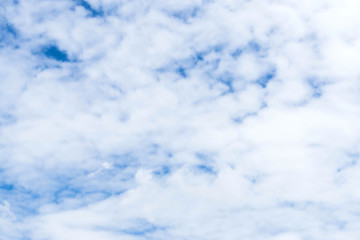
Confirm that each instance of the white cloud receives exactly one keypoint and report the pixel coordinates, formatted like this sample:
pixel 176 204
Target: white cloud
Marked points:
pixel 179 119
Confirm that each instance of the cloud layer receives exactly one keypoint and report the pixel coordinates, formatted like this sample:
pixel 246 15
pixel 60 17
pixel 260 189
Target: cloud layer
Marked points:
pixel 179 119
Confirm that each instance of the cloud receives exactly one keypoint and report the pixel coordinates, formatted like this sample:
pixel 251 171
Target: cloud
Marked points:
pixel 179 119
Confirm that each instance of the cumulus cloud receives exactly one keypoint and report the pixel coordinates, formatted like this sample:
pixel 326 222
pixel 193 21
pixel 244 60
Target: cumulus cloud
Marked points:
pixel 179 119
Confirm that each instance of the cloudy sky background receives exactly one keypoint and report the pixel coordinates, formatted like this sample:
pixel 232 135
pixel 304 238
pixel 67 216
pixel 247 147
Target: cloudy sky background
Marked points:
pixel 181 119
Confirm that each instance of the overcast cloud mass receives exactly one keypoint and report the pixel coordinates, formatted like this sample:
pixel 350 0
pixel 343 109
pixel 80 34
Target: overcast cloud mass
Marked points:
pixel 179 119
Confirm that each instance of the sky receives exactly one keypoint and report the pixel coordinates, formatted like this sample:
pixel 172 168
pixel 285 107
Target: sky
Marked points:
pixel 179 119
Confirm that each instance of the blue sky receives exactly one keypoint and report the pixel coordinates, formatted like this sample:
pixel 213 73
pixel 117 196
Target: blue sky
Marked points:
pixel 182 119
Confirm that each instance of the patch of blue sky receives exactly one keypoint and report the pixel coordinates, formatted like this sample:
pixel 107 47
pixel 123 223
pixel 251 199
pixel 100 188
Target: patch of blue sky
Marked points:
pixel 66 192
pixel 351 161
pixel 186 14
pixel 260 50
pixel 92 12
pixel 6 187
pixel 200 56
pixel 254 46
pixel 263 105
pixel 8 34
pixel 347 165
pixel 251 47
pixel 185 65
pixel 205 168
pixel 139 232
pixel 211 66
pixel 316 86
pixel 120 166
pixel 241 119
pixel 266 78
pixel 142 227
pixel 87 187
pixel 8 2
pixel 197 59
pixel 86 195
pixel 54 52
pixel 23 201
pixel 114 95
pixel 182 67
pixel 204 156
pixel 217 48
pixel 237 52
pixel 227 79
pixel 206 161
pixel 124 166
pixel 162 171
pixel 7 118
pixel 7 30
pixel 182 72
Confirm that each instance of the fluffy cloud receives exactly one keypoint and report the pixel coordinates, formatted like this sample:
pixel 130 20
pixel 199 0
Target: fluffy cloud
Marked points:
pixel 179 119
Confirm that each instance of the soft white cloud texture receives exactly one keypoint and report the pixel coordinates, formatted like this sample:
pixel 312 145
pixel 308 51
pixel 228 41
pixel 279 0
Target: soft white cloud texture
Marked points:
pixel 181 119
